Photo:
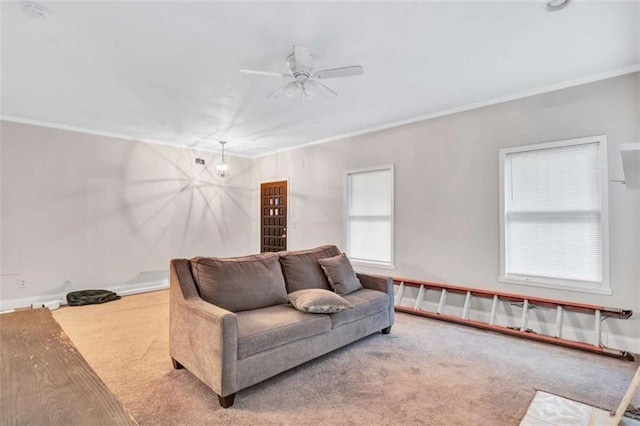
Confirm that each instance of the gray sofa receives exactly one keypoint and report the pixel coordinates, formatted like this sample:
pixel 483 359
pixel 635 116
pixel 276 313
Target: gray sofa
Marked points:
pixel 251 333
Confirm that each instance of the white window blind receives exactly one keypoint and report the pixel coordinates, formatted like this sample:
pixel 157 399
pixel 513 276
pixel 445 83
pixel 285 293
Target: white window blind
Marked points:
pixel 553 218
pixel 369 215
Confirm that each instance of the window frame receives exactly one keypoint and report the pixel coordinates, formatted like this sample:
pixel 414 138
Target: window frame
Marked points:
pixel 365 262
pixel 559 283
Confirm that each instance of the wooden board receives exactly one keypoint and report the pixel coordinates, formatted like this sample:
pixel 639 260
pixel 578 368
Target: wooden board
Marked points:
pixel 45 380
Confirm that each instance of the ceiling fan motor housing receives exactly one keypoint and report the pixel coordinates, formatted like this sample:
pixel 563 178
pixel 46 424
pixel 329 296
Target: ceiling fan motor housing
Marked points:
pixel 300 72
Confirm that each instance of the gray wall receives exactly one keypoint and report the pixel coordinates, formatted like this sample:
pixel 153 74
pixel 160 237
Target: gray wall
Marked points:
pixel 101 212
pixel 446 182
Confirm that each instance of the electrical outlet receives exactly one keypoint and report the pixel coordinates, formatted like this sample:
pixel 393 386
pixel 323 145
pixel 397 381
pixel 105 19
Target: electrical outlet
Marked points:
pixel 22 283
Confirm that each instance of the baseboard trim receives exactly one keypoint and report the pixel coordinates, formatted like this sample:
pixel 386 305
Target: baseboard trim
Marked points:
pixel 53 301
pixel 146 288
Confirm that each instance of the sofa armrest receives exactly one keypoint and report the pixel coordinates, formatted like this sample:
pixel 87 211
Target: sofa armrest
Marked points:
pixel 376 282
pixel 383 284
pixel 202 337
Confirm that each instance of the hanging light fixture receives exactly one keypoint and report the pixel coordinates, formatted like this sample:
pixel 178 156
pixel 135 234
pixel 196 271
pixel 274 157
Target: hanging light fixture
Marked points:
pixel 222 168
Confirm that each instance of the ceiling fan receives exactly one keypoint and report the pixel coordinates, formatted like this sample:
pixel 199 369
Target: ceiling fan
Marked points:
pixel 301 77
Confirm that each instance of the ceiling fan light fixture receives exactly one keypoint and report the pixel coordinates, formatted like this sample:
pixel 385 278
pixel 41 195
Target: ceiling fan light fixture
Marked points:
pixel 309 87
pixel 291 89
pixel 222 168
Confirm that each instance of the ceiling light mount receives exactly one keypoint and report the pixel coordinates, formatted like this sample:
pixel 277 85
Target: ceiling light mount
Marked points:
pixel 555 5
pixel 222 168
pixel 35 10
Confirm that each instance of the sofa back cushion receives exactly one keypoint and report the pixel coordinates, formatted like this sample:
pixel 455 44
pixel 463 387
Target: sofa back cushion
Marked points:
pixel 240 283
pixel 301 268
pixel 340 274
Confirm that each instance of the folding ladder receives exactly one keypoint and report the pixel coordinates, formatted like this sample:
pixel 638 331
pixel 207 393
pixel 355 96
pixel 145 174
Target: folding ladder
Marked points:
pixel 525 302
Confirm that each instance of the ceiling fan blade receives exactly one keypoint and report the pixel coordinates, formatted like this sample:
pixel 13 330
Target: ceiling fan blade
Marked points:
pixel 302 55
pixel 323 90
pixel 270 73
pixel 339 72
pixel 276 93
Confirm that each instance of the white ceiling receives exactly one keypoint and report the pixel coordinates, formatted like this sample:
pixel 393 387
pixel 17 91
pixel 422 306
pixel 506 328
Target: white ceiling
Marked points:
pixel 168 71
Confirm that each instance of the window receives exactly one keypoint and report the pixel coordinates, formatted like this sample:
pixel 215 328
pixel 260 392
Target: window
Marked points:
pixel 369 216
pixel 553 219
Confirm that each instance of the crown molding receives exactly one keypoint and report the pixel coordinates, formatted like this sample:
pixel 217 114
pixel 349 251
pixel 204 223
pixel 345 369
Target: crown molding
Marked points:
pixel 87 131
pixel 468 107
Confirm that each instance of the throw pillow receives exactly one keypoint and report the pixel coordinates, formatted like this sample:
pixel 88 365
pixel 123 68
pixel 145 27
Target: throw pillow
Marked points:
pixel 240 283
pixel 340 274
pixel 318 301
pixel 301 269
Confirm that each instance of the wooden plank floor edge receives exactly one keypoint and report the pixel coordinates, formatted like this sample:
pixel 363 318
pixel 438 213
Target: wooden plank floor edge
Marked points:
pixel 45 380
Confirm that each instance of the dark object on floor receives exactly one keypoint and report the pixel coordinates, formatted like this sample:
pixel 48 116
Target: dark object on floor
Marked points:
pixel 90 297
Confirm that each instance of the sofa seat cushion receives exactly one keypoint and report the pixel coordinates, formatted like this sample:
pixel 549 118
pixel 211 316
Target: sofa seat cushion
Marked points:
pixel 240 283
pixel 365 302
pixel 301 268
pixel 267 328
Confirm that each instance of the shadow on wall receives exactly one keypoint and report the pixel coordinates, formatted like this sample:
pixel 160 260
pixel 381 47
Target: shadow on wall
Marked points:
pixel 170 201
pixel 115 222
pixel 151 205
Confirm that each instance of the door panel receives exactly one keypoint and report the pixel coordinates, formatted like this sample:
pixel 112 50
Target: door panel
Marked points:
pixel 273 216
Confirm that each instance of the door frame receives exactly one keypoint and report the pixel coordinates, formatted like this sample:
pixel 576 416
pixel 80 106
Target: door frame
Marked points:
pixel 288 210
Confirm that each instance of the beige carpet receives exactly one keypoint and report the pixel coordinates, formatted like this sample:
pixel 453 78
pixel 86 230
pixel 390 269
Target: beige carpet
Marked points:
pixel 424 372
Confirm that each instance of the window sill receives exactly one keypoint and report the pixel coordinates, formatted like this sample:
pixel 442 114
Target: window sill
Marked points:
pixel 555 285
pixel 367 264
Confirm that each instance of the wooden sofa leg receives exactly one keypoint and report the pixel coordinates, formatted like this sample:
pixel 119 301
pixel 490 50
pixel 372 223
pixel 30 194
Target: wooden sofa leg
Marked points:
pixel 226 401
pixel 386 330
pixel 176 364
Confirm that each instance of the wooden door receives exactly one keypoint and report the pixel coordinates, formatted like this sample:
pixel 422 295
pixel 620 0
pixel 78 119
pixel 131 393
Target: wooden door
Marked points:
pixel 273 216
